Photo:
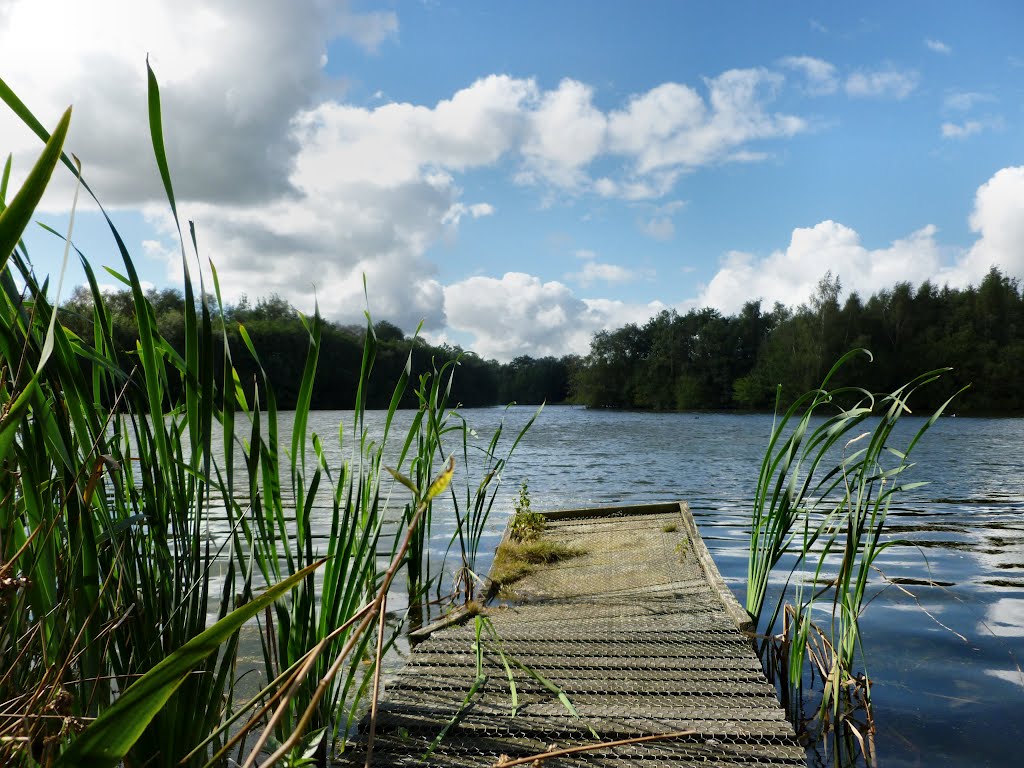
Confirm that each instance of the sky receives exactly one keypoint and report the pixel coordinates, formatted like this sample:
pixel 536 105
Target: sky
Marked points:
pixel 513 177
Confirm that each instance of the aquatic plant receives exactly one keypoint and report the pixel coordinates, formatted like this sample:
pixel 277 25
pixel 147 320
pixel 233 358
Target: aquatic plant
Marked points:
pixel 515 559
pixel 147 512
pixel 526 525
pixel 827 481
pixel 473 509
pixel 104 512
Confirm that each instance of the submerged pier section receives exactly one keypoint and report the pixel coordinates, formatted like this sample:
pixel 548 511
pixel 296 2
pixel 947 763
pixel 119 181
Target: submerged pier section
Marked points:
pixel 638 633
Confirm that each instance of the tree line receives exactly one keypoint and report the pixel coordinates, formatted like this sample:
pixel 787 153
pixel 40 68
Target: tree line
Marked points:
pixel 700 360
pixel 705 360
pixel 281 342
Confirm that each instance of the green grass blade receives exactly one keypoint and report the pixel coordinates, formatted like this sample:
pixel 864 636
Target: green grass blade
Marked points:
pixel 109 738
pixel 16 216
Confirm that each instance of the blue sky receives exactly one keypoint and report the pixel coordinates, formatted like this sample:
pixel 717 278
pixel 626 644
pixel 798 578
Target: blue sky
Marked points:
pixel 517 176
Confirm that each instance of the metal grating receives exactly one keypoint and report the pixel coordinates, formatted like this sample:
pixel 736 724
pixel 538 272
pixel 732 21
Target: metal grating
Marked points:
pixel 640 633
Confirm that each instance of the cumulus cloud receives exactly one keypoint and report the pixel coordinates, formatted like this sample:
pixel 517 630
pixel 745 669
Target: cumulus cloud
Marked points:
pixel 671 128
pixel 998 218
pixel 230 84
pixel 566 132
pixel 519 314
pixel 820 75
pixel 937 46
pixel 454 214
pixel 883 83
pixel 295 190
pixel 790 275
pixel 398 143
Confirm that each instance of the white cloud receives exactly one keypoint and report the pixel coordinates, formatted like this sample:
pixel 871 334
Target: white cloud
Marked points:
pixel 998 218
pixel 670 128
pixel 659 224
pixel 454 214
pixel 882 83
pixel 964 101
pixel 790 275
pixel 230 84
pixel 961 130
pixel 820 75
pixel 566 133
pixel 519 314
pixel 597 272
pixel 397 143
pixel 938 46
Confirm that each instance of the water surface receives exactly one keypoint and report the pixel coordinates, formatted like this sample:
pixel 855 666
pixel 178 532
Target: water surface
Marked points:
pixel 945 659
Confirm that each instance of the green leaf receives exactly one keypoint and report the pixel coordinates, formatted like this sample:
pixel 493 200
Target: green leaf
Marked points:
pixel 11 420
pixel 16 216
pixel 107 740
pixel 403 480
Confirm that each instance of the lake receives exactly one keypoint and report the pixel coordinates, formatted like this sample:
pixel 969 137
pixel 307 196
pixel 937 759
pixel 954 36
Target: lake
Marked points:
pixel 943 695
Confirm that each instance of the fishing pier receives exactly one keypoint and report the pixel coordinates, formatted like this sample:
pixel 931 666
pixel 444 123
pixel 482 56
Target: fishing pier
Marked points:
pixel 639 635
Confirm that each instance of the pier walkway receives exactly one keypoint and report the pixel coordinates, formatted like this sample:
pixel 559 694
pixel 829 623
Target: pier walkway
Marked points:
pixel 639 633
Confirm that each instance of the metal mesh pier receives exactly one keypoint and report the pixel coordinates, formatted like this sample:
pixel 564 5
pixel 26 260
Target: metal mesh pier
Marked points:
pixel 641 635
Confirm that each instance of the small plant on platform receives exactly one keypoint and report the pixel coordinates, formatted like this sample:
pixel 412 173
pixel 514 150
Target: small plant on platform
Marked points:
pixel 517 559
pixel 527 525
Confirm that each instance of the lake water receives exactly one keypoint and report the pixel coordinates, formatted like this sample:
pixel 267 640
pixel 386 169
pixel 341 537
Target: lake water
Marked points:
pixel 942 696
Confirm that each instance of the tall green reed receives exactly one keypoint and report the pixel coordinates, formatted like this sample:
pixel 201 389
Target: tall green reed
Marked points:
pixel 442 432
pixel 474 508
pixel 827 481
pixel 102 517
pixel 113 486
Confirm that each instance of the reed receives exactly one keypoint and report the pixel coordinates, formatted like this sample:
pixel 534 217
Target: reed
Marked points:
pixel 473 510
pixel 828 478
pixel 103 516
pixel 152 505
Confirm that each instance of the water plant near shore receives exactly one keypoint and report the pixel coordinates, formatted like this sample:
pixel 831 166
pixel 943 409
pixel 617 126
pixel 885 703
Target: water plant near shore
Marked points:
pixel 135 542
pixel 827 480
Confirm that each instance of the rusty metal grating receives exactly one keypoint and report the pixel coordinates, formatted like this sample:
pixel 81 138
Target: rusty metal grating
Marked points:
pixel 640 633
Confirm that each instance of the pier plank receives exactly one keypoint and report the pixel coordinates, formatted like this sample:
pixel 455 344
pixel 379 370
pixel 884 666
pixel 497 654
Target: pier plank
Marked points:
pixel 640 632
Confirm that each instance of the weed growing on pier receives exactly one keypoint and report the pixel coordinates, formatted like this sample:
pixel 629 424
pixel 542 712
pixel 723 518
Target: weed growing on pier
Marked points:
pixel 526 524
pixel 514 560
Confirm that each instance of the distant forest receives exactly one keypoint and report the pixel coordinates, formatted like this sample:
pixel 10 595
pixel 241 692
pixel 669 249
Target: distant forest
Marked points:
pixel 702 360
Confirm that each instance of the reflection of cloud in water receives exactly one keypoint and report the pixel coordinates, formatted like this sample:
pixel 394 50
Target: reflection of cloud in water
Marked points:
pixel 1014 676
pixel 1004 618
